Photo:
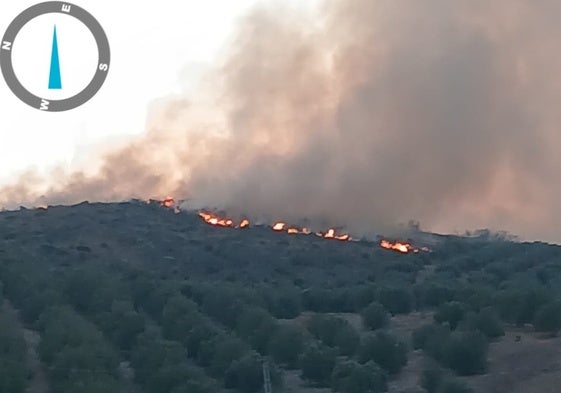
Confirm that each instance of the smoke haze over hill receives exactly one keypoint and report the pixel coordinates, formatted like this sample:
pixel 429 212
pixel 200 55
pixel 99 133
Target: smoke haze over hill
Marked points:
pixel 367 115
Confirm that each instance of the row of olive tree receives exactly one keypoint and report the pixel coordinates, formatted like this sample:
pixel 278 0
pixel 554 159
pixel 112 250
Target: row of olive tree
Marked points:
pixel 76 354
pixel 13 366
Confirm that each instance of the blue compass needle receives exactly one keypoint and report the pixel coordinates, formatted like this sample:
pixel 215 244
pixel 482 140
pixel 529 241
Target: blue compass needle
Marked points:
pixel 54 76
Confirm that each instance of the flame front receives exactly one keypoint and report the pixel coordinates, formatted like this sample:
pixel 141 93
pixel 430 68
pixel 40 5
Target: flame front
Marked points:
pixel 403 248
pixel 281 226
pixel 168 202
pixel 213 219
pixel 332 234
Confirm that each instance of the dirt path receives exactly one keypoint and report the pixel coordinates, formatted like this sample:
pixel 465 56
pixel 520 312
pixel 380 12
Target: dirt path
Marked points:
pixel 38 382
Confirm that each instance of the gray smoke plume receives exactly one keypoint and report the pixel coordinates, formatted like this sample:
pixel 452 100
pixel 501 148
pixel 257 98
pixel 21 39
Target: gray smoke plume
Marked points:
pixel 366 115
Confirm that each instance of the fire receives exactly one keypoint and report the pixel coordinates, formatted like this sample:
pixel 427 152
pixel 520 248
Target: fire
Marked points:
pixel 401 247
pixel 213 219
pixel 168 202
pixel 296 231
pixel 332 234
pixel 280 226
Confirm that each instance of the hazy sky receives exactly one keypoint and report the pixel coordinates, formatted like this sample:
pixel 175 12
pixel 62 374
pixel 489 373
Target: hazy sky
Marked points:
pixel 157 49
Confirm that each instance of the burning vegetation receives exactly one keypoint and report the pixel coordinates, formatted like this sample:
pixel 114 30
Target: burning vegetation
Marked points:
pixel 398 246
pixel 219 220
pixel 401 247
pixel 213 219
pixel 168 202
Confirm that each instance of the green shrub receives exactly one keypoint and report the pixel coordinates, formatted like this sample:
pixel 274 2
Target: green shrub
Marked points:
pixel 386 350
pixel 399 300
pixel 334 332
pixel 486 321
pixel 256 326
pixel 13 366
pixel 219 352
pixel 430 338
pixel 347 339
pixel 375 316
pixel 451 312
pixel 548 318
pixel 352 377
pixel 519 306
pixel 466 353
pixel 433 294
pixel 317 363
pixel 245 374
pixel 286 345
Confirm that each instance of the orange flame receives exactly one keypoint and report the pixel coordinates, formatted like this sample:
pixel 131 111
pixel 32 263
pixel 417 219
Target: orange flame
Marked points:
pixel 281 227
pixel 215 220
pixel 332 234
pixel 168 202
pixel 404 248
pixel 297 231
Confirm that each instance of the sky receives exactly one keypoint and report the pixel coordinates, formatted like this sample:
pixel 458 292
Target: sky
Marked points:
pixel 157 50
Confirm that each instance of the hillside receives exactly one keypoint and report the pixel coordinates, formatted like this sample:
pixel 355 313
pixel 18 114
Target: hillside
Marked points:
pixel 132 297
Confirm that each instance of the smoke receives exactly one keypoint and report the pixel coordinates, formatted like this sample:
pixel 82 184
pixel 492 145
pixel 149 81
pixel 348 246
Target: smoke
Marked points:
pixel 368 114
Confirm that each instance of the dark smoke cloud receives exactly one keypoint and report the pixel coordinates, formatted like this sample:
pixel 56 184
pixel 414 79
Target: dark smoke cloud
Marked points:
pixel 368 115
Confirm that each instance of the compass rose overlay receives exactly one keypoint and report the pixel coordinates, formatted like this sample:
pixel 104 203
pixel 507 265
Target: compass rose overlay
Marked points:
pixel 22 92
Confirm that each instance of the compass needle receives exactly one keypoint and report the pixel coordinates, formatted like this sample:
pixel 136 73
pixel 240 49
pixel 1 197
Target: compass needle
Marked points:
pixel 55 81
pixel 85 55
